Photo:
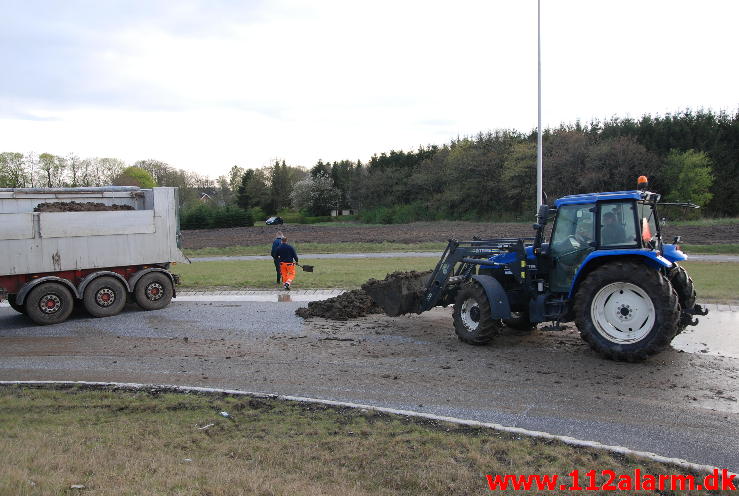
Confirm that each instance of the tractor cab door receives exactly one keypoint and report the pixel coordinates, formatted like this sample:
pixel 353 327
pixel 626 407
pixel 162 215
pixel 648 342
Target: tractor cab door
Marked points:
pixel 573 238
pixel 618 226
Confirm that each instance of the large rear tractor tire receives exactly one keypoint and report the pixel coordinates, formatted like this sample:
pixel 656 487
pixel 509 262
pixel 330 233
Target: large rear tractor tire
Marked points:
pixel 154 291
pixel 105 297
pixel 627 311
pixel 15 306
pixel 472 321
pixel 49 303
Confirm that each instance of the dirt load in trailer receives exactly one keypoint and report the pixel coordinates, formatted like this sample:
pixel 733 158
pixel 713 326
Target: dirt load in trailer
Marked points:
pixel 96 246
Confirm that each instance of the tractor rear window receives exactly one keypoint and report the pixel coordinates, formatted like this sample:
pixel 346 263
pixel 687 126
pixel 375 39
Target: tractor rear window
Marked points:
pixel 647 223
pixel 617 226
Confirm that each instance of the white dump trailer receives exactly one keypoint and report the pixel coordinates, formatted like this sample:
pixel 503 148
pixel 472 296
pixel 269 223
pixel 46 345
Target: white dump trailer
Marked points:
pixel 55 250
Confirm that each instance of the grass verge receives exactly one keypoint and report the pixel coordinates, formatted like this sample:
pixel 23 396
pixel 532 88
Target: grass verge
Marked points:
pixel 715 281
pixel 720 249
pixel 335 273
pixel 720 221
pixel 122 442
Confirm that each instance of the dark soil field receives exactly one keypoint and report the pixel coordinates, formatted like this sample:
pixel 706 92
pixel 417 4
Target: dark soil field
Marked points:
pixel 414 233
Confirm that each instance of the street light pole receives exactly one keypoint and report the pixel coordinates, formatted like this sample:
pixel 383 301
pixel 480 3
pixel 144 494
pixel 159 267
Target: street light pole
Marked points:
pixel 539 171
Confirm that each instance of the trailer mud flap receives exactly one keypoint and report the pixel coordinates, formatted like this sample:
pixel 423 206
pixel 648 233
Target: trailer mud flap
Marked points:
pixel 500 307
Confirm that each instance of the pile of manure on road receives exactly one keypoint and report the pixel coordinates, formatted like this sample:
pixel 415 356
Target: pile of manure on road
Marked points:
pixel 73 206
pixel 398 293
pixel 349 305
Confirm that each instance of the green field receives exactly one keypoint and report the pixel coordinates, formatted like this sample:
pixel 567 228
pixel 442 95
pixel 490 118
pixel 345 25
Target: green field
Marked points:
pixel 120 442
pixel 715 281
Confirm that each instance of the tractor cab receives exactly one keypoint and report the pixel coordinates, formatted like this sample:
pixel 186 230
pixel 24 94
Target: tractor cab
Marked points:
pixel 598 224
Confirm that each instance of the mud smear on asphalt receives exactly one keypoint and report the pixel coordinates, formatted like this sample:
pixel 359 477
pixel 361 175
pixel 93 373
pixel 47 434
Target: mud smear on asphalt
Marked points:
pixel 397 294
pixel 349 305
pixel 73 206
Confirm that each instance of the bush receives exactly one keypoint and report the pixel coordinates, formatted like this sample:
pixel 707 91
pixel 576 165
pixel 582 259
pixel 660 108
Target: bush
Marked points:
pixel 209 217
pixel 317 219
pixel 291 216
pixel 398 214
pixel 258 214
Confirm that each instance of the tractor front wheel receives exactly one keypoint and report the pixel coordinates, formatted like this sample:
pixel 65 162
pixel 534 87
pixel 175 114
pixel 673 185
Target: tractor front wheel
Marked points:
pixel 472 321
pixel 685 290
pixel 627 311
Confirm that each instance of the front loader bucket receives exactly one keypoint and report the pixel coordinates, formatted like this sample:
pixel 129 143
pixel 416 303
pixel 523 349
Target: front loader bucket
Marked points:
pixel 399 292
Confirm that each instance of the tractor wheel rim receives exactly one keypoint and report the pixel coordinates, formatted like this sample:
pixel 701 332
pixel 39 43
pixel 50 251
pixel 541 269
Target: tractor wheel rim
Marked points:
pixel 105 297
pixel 50 304
pixel 154 291
pixel 623 313
pixel 470 314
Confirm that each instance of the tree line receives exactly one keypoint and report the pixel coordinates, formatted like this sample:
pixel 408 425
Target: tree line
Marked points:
pixel 688 156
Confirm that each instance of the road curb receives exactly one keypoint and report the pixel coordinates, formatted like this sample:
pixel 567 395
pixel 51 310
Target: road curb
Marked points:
pixel 407 413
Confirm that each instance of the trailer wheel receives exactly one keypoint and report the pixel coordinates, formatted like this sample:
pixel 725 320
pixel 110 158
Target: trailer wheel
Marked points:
pixel 105 297
pixel 49 303
pixel 626 311
pixel 520 322
pixel 472 321
pixel 154 291
pixel 15 306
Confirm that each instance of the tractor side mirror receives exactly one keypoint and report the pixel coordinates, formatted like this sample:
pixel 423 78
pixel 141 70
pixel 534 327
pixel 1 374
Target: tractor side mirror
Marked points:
pixel 543 214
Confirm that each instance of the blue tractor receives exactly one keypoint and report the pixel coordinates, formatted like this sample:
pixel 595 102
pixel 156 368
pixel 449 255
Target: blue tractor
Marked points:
pixel 604 266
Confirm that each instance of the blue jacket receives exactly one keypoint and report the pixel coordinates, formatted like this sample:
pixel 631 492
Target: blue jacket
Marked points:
pixel 286 253
pixel 275 244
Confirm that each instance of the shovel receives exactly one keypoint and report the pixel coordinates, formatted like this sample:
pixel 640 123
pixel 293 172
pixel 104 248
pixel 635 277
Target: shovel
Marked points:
pixel 306 268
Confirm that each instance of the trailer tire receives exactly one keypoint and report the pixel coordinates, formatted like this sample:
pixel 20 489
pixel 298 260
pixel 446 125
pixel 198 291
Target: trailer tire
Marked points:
pixel 472 321
pixel 626 311
pixel 154 291
pixel 15 306
pixel 520 321
pixel 105 297
pixel 49 303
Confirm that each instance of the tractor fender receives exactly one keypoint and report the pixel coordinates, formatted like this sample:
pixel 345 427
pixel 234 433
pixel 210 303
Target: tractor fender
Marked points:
pixel 500 307
pixel 91 277
pixel 673 253
pixel 138 275
pixel 652 258
pixel 20 298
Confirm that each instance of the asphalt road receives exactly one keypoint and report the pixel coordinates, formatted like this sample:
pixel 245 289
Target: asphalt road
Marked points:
pixel 677 404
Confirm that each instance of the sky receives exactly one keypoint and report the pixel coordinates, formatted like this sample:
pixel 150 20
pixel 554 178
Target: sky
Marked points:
pixel 205 85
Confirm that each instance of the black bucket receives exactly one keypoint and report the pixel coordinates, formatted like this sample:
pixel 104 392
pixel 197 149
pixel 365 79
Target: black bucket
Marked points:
pixel 399 292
